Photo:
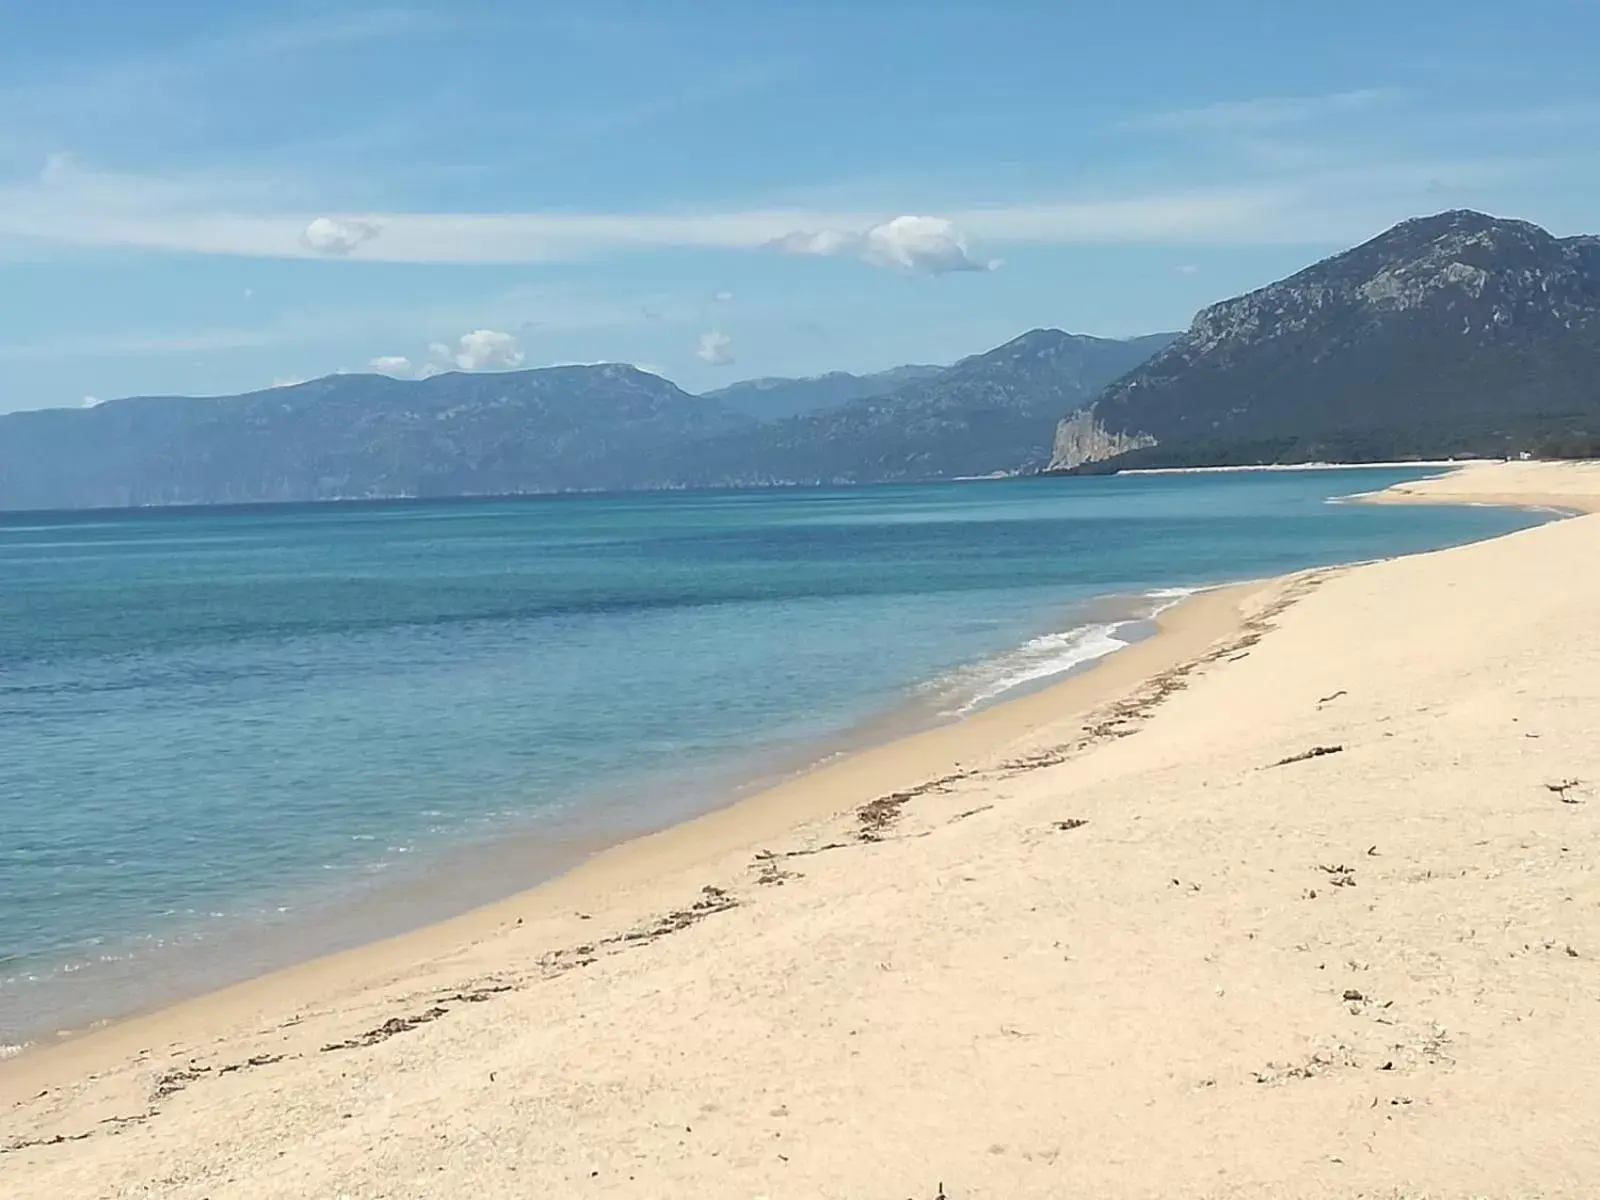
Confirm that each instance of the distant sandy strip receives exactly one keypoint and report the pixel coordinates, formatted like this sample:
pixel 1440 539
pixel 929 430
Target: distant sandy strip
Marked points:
pixel 1574 486
pixel 1309 466
pixel 1300 898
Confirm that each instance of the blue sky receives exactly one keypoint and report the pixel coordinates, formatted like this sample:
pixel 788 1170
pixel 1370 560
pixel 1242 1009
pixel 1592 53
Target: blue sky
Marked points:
pixel 205 198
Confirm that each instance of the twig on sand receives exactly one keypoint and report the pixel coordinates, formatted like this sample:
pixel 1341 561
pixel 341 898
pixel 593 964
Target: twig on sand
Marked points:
pixel 1561 789
pixel 1304 755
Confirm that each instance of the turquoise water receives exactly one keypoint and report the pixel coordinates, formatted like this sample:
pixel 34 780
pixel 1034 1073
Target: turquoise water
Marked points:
pixel 225 722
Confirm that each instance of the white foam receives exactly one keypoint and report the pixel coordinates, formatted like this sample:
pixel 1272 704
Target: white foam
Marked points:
pixel 1168 597
pixel 10 1050
pixel 969 688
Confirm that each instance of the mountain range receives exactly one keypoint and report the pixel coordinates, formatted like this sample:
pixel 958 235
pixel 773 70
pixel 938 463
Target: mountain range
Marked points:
pixel 346 436
pixel 575 428
pixel 773 399
pixel 1455 334
pixel 989 414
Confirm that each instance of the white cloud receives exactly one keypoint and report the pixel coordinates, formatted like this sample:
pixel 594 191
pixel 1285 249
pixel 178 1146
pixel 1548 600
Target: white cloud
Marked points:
pixel 723 297
pixel 715 347
pixel 91 401
pixel 1187 269
pixel 337 235
pixel 928 245
pixel 483 349
pixel 391 364
pixel 922 245
pixel 283 381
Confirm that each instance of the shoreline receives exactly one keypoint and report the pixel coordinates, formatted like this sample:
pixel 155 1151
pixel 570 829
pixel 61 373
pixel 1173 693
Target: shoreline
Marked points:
pixel 1425 464
pixel 449 882
pixel 1570 487
pixel 1118 913
pixel 766 807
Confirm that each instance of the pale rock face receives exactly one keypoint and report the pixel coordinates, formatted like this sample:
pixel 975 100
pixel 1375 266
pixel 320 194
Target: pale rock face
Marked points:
pixel 1082 439
pixel 1408 286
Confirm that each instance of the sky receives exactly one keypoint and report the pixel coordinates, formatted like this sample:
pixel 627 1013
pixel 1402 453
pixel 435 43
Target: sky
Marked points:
pixel 202 199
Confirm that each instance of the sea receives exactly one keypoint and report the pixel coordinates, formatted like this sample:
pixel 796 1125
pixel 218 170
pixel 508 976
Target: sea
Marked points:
pixel 235 738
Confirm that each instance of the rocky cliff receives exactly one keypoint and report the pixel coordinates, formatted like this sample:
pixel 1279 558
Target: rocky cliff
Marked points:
pixel 1080 439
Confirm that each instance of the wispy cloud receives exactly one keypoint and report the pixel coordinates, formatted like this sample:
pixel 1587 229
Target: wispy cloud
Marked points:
pixel 1544 117
pixel 210 54
pixel 80 94
pixel 203 97
pixel 552 310
pixel 1300 200
pixel 1262 113
pixel 72 207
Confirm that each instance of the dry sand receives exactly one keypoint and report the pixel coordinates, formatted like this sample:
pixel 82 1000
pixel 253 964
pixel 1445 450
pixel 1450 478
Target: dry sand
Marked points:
pixel 1568 485
pixel 1299 898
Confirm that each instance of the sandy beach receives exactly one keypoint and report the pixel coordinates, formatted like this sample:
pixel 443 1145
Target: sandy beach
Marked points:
pixel 1572 486
pixel 1297 898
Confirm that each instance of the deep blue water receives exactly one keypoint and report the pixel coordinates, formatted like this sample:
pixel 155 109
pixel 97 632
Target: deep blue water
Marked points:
pixel 212 720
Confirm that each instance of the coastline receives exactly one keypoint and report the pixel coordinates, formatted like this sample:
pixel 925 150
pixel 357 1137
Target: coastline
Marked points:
pixel 1425 463
pixel 827 789
pixel 458 880
pixel 760 925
